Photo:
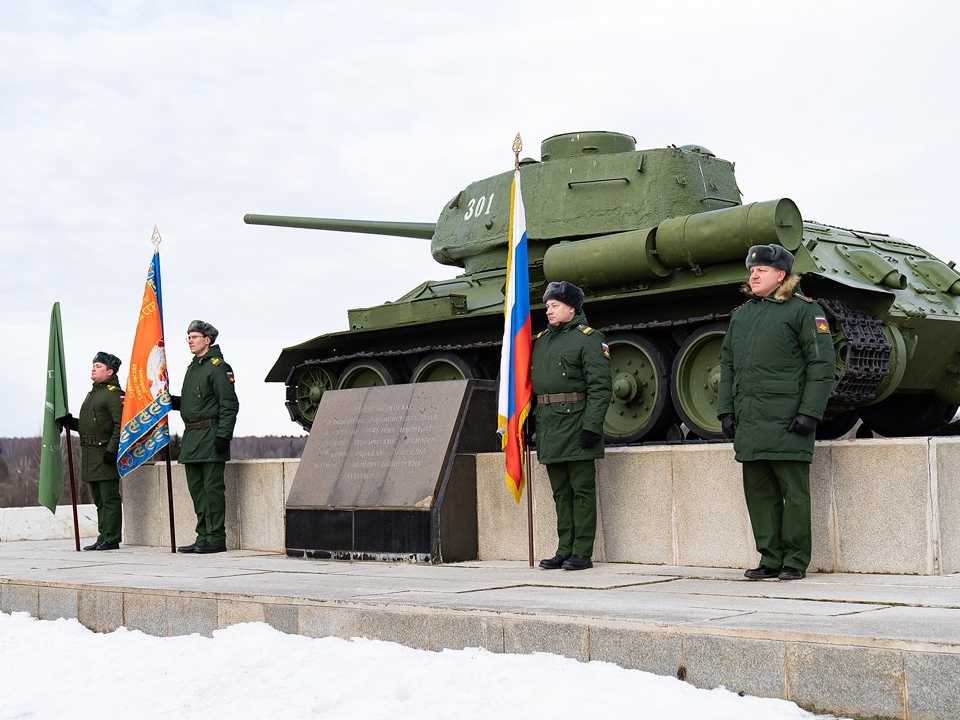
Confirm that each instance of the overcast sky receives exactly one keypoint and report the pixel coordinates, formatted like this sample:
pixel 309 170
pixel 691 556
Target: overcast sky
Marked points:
pixel 121 115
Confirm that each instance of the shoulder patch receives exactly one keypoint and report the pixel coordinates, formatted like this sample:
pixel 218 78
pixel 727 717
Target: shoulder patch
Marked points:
pixel 585 329
pixel 605 349
pixel 822 325
pixel 230 375
pixel 537 336
pixel 215 361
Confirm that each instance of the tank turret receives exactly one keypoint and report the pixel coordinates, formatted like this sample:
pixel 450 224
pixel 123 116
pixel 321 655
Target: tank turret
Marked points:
pixel 656 238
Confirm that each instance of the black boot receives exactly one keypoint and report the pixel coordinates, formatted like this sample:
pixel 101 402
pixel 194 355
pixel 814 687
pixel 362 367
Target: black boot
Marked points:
pixel 789 573
pixel 762 573
pixel 553 563
pixel 210 547
pixel 577 562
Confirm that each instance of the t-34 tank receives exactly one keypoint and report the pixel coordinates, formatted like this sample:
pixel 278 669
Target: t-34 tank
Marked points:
pixel 657 239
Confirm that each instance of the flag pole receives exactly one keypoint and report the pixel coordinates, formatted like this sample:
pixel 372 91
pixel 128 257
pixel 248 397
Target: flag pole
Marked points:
pixel 156 240
pixel 73 490
pixel 514 395
pixel 529 463
pixel 517 147
pixel 147 401
pixel 173 525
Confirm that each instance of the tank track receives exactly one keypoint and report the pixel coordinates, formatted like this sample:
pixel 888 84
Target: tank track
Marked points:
pixel 866 364
pixel 867 360
pixel 485 344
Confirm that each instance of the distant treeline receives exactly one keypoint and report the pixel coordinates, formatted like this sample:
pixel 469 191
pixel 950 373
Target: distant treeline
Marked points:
pixel 20 464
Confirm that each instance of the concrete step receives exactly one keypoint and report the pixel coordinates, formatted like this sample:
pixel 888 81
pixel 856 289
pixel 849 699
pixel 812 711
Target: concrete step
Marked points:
pixel 885 646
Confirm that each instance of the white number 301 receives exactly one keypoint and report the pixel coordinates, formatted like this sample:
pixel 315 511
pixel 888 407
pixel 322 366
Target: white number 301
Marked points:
pixel 479 206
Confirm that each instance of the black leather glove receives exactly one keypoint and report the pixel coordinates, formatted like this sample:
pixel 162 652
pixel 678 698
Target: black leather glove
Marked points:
pixel 109 458
pixel 175 402
pixel 802 425
pixel 68 422
pixel 728 423
pixel 221 445
pixel 588 438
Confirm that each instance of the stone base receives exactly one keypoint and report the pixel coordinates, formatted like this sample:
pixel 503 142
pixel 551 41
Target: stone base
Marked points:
pixel 256 492
pixel 879 506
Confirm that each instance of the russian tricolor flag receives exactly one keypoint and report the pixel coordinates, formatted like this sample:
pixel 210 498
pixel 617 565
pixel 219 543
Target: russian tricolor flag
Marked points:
pixel 513 403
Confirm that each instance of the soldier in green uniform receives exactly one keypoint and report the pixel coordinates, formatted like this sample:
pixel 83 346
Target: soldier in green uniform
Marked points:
pixel 776 375
pixel 208 405
pixel 570 370
pixel 99 427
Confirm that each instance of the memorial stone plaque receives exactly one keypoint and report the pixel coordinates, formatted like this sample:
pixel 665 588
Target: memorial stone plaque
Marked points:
pixel 383 464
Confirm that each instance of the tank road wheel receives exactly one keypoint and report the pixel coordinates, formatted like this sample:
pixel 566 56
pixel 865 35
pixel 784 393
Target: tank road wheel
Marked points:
pixel 367 373
pixel 640 406
pixel 441 366
pixel 906 414
pixel 695 380
pixel 305 386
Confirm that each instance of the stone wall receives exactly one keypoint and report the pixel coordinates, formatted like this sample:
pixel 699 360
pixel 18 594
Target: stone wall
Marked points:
pixel 879 506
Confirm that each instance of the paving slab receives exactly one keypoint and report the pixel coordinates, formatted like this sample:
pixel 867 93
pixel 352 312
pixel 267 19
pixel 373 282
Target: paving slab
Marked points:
pixel 896 638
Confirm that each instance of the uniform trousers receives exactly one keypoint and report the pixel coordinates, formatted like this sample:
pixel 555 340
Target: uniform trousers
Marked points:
pixel 106 496
pixel 205 481
pixel 574 487
pixel 778 500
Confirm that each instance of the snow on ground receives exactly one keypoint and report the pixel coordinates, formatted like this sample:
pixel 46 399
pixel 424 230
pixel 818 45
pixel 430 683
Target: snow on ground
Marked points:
pixel 58 669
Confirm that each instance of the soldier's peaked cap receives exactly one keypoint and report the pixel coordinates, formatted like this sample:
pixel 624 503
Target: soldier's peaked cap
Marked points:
pixel 105 358
pixel 565 292
pixel 775 256
pixel 204 328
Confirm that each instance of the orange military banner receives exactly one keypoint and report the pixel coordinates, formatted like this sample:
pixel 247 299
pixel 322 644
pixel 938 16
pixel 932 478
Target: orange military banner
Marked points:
pixel 147 401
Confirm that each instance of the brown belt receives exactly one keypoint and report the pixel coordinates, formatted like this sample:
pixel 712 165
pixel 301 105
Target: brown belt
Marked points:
pixel 201 424
pixel 561 397
pixel 95 439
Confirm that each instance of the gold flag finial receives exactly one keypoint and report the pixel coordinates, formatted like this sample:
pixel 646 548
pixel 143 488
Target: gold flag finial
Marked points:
pixel 517 147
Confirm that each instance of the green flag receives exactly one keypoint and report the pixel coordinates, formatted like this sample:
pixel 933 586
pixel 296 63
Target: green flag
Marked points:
pixel 51 460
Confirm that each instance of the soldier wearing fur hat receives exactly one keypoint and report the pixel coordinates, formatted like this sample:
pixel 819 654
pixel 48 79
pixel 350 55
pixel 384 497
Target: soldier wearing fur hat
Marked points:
pixel 99 427
pixel 570 371
pixel 776 375
pixel 208 405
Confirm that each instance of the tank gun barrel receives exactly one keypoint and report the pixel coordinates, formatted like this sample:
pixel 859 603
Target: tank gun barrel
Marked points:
pixel 399 229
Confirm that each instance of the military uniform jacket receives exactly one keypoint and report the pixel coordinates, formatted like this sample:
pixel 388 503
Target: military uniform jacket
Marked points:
pixel 776 360
pixel 208 394
pixel 567 359
pixel 99 426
